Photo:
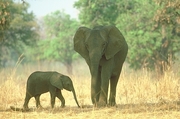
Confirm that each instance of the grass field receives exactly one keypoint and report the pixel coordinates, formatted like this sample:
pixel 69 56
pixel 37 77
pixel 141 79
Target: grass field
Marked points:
pixel 140 95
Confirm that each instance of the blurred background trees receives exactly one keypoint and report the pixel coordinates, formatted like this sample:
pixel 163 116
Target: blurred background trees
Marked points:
pixel 4 17
pixel 151 28
pixel 58 45
pixel 18 31
pixel 96 12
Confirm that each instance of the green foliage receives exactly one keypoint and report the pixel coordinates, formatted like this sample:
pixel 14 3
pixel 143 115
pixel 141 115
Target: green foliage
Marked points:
pixel 58 46
pixel 97 12
pixel 21 32
pixel 4 16
pixel 168 12
pixel 136 24
pixel 151 27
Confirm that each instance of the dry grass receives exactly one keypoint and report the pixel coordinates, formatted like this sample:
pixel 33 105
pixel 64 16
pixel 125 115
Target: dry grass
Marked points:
pixel 139 96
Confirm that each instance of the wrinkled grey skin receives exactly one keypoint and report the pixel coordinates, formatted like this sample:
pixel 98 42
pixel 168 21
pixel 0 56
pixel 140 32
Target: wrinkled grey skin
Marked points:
pixel 42 82
pixel 104 48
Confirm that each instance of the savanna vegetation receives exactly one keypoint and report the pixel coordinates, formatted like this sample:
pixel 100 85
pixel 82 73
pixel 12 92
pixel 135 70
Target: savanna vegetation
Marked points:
pixel 149 83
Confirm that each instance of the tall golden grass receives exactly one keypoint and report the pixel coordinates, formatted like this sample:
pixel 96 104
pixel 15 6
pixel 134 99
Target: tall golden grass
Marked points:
pixel 140 95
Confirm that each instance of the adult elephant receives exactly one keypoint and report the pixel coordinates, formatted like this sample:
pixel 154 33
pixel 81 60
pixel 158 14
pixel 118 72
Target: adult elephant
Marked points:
pixel 104 48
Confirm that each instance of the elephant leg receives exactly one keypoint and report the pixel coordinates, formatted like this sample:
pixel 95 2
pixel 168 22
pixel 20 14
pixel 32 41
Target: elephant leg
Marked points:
pixel 106 72
pixel 98 87
pixel 37 98
pixel 26 101
pixel 95 91
pixel 104 92
pixel 113 85
pixel 52 99
pixel 114 79
pixel 104 89
pixel 59 95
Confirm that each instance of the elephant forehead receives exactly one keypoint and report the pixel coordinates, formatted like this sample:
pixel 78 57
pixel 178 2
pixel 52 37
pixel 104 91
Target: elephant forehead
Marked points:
pixel 95 35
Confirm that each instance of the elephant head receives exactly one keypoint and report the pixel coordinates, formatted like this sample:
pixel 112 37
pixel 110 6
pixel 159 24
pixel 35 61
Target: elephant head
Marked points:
pixel 63 82
pixel 97 45
pixel 106 41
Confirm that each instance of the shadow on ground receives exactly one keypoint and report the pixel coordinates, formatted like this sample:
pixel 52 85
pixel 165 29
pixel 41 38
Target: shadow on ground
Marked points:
pixel 149 107
pixel 123 108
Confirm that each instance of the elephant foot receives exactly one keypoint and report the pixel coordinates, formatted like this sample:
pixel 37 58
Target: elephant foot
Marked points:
pixel 112 101
pixel 101 104
pixel 112 104
pixel 62 106
pixel 25 110
pixel 39 107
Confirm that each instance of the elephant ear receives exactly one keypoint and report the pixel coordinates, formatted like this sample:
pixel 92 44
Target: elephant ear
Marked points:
pixel 115 41
pixel 56 81
pixel 79 42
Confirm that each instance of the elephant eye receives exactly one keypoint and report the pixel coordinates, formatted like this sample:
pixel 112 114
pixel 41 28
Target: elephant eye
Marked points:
pixel 86 45
pixel 68 84
pixel 103 47
pixel 104 44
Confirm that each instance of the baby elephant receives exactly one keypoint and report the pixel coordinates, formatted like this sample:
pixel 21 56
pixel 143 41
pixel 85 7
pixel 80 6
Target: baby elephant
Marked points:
pixel 42 82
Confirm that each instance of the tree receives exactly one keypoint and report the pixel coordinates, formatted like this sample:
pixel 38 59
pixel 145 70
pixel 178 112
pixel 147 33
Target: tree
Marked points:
pixel 58 45
pixel 167 19
pixel 4 17
pixel 97 12
pixel 21 32
pixel 151 43
pixel 136 24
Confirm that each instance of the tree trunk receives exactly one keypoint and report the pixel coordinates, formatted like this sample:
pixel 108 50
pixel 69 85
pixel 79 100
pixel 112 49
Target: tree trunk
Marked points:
pixel 162 57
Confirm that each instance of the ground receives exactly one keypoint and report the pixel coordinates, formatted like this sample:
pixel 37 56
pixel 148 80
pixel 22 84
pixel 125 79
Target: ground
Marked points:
pixel 140 95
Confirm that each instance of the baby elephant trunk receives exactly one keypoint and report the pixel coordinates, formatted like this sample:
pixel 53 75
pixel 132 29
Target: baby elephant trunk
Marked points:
pixel 74 94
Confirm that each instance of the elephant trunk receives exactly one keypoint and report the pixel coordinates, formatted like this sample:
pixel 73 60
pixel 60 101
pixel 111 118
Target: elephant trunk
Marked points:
pixel 74 94
pixel 95 81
